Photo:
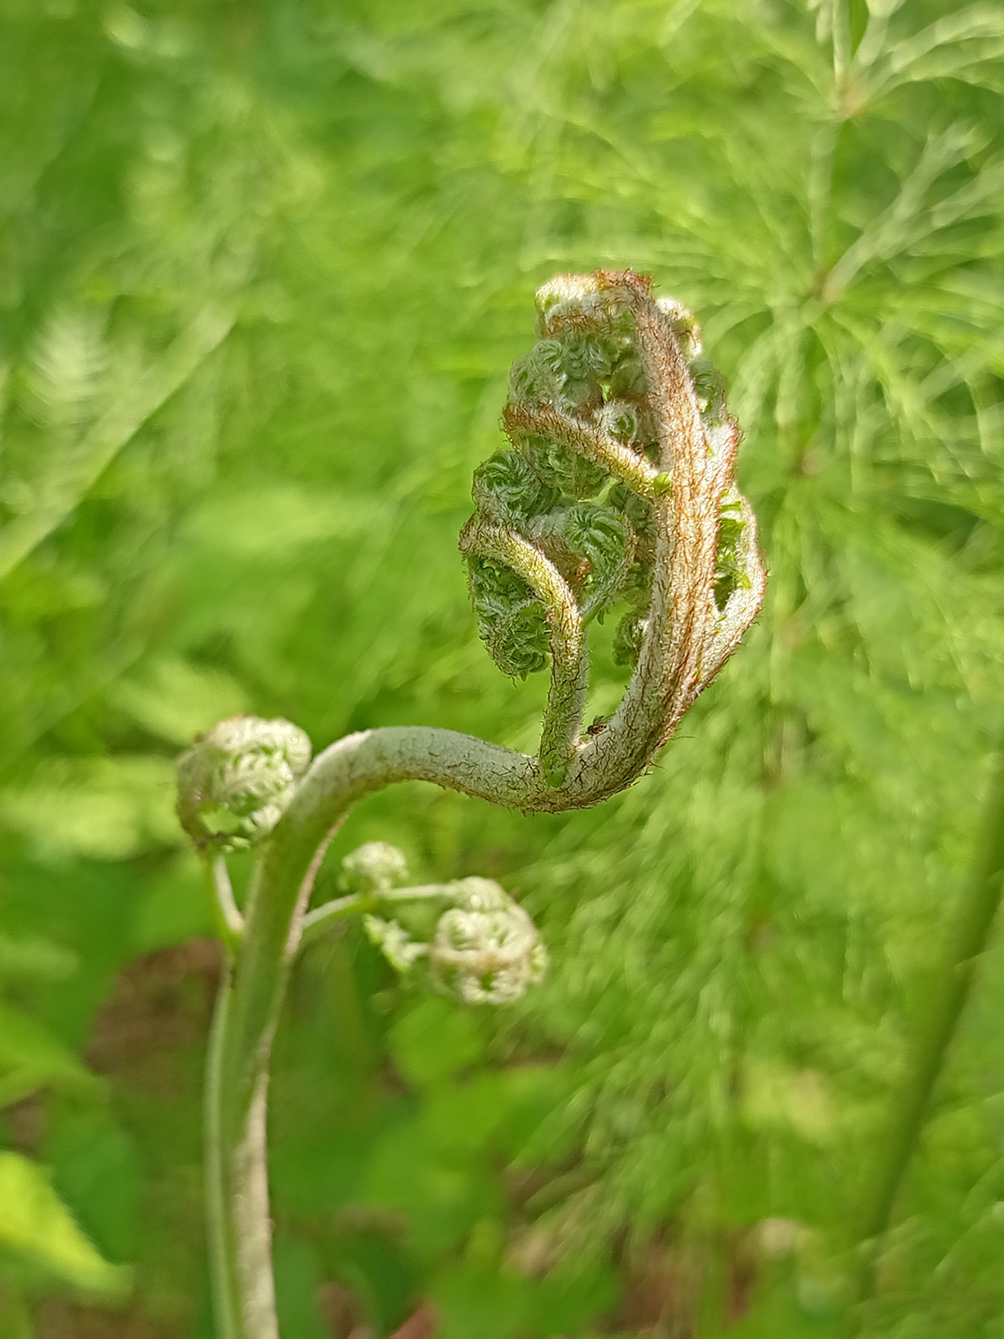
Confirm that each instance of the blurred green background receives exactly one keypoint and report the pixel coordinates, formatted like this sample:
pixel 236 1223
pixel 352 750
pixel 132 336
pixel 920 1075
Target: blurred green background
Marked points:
pixel 264 267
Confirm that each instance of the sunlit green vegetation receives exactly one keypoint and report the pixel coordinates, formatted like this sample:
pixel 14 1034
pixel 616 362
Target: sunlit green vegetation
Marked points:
pixel 263 269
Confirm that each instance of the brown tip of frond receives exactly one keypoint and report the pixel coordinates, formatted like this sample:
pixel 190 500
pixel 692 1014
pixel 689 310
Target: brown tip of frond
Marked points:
pixel 637 284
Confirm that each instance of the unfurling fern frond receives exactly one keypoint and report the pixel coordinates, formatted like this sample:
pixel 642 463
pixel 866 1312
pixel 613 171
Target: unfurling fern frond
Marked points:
pixel 621 467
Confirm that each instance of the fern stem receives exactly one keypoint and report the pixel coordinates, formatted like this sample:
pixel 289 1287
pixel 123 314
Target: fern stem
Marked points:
pixel 316 922
pixel 236 1094
pixel 968 942
pixel 219 1190
pixel 229 921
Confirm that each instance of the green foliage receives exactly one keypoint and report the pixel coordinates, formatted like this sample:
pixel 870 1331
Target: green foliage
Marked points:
pixel 35 1224
pixel 263 275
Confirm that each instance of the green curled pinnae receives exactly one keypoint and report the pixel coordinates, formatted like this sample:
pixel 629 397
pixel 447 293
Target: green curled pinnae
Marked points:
pixel 586 495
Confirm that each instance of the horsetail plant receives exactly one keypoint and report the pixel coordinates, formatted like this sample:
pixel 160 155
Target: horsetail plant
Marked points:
pixel 616 491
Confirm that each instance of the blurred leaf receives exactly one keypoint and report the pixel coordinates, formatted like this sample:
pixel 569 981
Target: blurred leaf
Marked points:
pixel 67 480
pixel 103 808
pixel 35 1223
pixel 279 519
pixel 173 907
pixel 434 1041
pixel 177 700
pixel 298 1278
pixel 29 956
pixel 32 1058
pixel 96 1169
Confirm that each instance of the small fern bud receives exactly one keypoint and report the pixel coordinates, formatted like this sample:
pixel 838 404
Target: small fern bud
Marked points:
pixel 709 387
pixel 628 638
pixel 236 781
pixel 374 868
pixel 571 475
pixel 486 949
pixel 730 569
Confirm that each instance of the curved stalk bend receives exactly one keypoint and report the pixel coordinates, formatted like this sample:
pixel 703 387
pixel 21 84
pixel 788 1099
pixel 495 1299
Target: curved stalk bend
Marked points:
pixel 618 489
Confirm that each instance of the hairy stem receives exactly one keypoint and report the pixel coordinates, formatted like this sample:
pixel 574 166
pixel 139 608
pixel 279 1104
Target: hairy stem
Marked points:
pixel 974 921
pixel 317 921
pixel 237 1194
pixel 228 918
pixel 240 1229
pixel 220 1190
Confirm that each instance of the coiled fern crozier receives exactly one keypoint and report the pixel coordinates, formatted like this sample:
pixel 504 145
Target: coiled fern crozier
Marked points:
pixel 617 489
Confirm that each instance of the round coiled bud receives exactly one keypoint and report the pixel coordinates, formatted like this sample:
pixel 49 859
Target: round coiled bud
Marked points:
pixel 236 781
pixel 603 538
pixel 374 868
pixel 619 418
pixel 709 387
pixel 628 638
pixel 486 949
pixel 571 475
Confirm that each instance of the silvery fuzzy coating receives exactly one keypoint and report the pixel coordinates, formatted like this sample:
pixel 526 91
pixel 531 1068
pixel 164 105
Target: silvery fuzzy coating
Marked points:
pixel 374 868
pixel 577 302
pixel 685 327
pixel 486 949
pixel 567 288
pixel 619 418
pixel 236 781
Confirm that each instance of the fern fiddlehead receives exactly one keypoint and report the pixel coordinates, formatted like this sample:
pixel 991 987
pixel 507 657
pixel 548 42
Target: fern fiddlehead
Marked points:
pixel 616 491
